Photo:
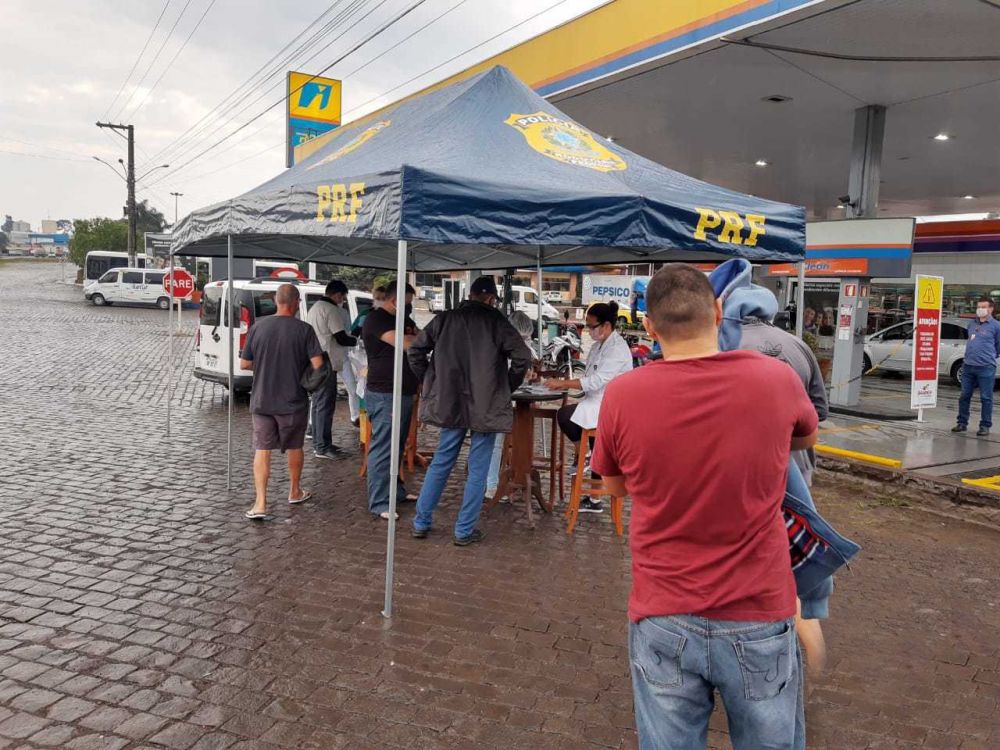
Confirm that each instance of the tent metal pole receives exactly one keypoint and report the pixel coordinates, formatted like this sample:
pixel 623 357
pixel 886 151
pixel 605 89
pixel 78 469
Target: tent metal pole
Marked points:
pixel 229 348
pixel 170 343
pixel 800 303
pixel 397 404
pixel 539 269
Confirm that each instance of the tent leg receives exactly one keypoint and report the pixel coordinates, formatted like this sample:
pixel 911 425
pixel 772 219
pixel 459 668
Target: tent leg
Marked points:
pixel 397 403
pixel 800 300
pixel 170 344
pixel 229 349
pixel 539 268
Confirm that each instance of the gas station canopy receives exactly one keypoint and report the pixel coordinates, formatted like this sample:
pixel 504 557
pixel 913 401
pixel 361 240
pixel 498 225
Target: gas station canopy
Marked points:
pixel 760 96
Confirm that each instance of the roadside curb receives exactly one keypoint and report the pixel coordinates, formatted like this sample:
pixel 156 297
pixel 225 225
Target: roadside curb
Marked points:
pixel 940 494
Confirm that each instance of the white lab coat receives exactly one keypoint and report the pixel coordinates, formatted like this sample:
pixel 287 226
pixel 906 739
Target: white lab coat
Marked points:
pixel 605 362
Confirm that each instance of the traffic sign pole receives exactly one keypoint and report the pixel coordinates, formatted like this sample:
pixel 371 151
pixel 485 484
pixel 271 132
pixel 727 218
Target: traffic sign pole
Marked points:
pixel 170 346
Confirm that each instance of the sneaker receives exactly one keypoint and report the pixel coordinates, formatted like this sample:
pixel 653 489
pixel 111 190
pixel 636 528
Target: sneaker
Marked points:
pixel 959 428
pixel 419 533
pixel 589 506
pixel 332 452
pixel 476 536
pixel 356 422
pixel 586 469
pixel 982 432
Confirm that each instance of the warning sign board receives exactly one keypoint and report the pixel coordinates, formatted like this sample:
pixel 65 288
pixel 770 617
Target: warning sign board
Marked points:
pixel 926 341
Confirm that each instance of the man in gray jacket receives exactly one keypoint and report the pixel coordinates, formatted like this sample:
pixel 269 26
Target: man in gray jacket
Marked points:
pixel 327 321
pixel 479 359
pixel 760 335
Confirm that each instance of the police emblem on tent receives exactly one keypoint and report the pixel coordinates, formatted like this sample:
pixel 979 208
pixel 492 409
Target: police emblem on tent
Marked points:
pixel 565 141
pixel 359 140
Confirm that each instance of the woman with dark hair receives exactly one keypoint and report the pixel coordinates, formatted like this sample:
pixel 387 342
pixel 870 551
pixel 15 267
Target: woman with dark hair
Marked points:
pixel 609 357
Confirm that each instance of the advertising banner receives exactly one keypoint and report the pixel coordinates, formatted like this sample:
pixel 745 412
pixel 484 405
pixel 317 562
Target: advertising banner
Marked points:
pixel 611 288
pixel 926 341
pixel 158 245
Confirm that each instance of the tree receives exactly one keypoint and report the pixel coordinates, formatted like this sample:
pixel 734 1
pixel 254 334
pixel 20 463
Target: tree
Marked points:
pixel 97 234
pixel 3 242
pixel 147 219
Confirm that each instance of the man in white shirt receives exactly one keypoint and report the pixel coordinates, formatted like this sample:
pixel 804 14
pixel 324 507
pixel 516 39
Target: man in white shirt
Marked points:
pixel 328 322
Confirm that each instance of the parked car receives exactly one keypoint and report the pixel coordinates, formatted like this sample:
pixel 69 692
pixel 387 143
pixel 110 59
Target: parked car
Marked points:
pixel 526 300
pixel 435 302
pixel 891 349
pixel 129 285
pixel 253 299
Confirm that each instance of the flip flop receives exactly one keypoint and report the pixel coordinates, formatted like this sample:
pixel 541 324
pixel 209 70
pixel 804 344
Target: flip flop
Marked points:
pixel 256 516
pixel 411 498
pixel 306 495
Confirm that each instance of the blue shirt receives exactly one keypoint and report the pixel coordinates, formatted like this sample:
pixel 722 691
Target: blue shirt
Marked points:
pixel 983 346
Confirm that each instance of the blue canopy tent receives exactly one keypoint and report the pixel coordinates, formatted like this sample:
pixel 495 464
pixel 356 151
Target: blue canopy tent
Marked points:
pixel 484 173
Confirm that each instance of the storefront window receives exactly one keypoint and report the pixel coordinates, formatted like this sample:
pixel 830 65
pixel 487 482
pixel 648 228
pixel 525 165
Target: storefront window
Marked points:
pixel 894 303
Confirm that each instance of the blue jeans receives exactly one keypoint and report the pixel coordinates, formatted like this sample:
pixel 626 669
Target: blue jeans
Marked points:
pixel 380 449
pixel 324 402
pixel 983 378
pixel 677 663
pixel 480 452
pixel 493 479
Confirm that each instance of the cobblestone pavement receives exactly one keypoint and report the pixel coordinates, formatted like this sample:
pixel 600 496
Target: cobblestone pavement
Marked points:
pixel 138 609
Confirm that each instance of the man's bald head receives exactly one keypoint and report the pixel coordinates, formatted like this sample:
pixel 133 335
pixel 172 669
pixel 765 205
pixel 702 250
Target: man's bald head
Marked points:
pixel 287 297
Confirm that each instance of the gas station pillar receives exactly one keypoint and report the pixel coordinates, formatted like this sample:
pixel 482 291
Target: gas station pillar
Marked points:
pixel 852 304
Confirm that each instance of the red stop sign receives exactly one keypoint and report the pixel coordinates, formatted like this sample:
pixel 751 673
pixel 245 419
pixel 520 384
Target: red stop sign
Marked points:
pixel 180 286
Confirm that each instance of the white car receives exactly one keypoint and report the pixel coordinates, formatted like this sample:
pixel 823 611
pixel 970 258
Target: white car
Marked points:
pixel 435 303
pixel 253 299
pixel 891 349
pixel 130 286
pixel 526 300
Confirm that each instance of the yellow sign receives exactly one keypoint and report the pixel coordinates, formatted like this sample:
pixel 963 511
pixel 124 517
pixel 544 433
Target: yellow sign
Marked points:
pixel 731 226
pixel 929 294
pixel 339 202
pixel 313 98
pixel 565 141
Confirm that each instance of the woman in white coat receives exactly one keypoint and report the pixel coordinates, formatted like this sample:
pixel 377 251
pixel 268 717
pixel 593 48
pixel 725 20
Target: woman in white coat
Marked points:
pixel 609 357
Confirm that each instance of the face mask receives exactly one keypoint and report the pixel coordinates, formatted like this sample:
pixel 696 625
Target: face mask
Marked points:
pixel 982 313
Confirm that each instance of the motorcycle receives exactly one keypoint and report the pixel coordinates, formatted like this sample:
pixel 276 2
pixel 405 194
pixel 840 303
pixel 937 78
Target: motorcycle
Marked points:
pixel 562 353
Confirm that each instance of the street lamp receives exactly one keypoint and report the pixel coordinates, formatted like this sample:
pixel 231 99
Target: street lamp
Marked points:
pixel 97 158
pixel 162 166
pixel 176 196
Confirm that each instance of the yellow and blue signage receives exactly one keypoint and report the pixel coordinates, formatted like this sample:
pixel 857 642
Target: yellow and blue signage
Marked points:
pixel 313 109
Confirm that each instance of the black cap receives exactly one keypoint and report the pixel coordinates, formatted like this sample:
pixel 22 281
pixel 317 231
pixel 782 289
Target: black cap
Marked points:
pixel 484 285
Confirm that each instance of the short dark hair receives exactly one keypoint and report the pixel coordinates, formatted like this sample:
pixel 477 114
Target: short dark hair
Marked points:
pixel 336 286
pixel 680 301
pixel 604 312
pixel 392 289
pixel 986 298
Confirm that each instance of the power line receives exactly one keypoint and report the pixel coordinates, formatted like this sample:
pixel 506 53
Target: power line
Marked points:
pixel 136 63
pixel 238 92
pixel 42 156
pixel 172 60
pixel 354 9
pixel 455 57
pixel 263 112
pixel 156 57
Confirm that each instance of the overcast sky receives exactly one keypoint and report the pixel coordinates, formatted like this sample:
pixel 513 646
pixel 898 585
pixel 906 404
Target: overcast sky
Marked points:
pixel 64 63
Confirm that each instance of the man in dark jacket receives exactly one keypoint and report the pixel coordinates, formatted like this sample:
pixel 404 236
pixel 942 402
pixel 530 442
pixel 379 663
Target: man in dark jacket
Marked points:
pixel 479 359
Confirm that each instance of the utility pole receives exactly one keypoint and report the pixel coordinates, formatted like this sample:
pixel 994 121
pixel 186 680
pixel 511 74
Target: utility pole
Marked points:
pixel 130 183
pixel 176 196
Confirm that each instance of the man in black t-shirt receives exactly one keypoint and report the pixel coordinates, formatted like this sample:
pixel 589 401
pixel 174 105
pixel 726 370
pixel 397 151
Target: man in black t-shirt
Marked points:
pixel 278 349
pixel 379 335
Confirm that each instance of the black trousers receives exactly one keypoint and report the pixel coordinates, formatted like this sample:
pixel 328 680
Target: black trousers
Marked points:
pixel 571 429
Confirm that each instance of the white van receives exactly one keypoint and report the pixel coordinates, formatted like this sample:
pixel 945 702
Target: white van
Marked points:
pixel 253 299
pixel 129 285
pixel 525 299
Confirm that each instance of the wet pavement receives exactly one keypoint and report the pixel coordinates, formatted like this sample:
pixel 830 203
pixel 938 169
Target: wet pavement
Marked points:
pixel 139 609
pixel 928 448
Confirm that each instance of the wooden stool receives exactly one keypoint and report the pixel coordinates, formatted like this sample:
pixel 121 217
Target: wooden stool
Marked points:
pixel 365 437
pixel 411 455
pixel 593 487
pixel 556 462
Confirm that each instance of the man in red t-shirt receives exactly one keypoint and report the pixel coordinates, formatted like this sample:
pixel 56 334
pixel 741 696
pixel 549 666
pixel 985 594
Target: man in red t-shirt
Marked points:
pixel 705 461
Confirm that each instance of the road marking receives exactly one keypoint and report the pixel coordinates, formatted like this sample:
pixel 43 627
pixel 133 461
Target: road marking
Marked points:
pixel 832 430
pixel 867 457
